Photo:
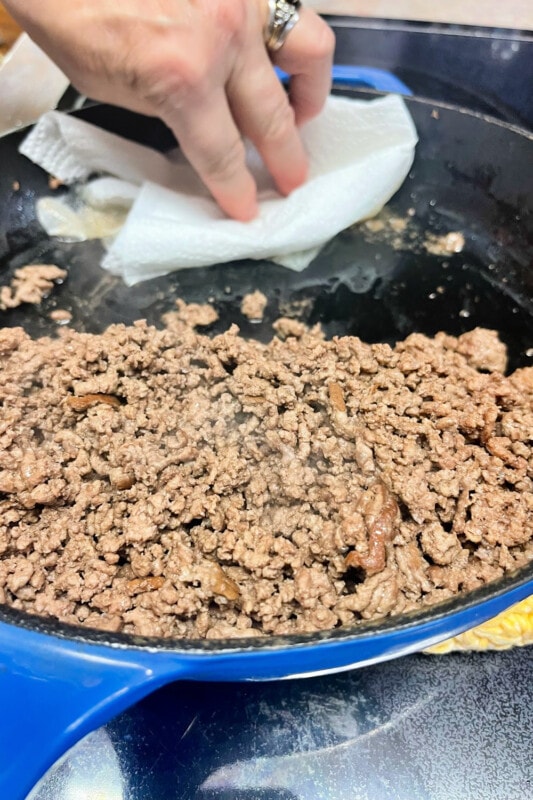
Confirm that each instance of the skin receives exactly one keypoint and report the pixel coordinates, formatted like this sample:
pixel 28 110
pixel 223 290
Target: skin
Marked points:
pixel 202 67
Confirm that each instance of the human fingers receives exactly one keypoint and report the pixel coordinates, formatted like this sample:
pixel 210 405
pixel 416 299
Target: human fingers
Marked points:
pixel 210 140
pixel 263 113
pixel 307 55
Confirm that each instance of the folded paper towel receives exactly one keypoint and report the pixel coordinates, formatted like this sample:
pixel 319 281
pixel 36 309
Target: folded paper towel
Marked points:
pixel 360 153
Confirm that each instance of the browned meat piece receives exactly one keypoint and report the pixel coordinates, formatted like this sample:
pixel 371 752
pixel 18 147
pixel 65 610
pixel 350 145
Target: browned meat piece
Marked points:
pixel 195 314
pixel 30 285
pixel 253 305
pixel 88 400
pixel 60 315
pixel 336 398
pixel 483 349
pixel 285 327
pixel 380 512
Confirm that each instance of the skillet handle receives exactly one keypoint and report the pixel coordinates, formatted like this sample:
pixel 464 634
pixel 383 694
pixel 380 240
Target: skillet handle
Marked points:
pixel 379 79
pixel 370 77
pixel 54 691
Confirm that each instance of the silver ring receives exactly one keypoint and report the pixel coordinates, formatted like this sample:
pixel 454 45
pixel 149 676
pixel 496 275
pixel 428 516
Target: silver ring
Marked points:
pixel 282 17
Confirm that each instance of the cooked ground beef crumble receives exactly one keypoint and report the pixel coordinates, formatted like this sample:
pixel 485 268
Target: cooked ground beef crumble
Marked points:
pixel 160 482
pixel 30 284
pixel 253 305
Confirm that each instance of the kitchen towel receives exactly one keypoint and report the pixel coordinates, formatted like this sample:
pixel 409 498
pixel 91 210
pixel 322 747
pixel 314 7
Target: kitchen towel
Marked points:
pixel 360 152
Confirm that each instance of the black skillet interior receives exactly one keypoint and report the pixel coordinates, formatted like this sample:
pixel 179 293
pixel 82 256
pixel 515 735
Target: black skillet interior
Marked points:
pixel 471 175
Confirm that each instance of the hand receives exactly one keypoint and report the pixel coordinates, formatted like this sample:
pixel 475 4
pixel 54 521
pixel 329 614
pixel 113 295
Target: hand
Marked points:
pixel 202 67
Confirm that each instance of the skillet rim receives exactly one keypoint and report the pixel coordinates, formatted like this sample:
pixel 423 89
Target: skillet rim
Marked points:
pixel 371 629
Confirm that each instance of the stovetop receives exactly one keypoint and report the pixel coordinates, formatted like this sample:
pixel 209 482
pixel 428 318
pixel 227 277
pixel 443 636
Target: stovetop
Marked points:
pixel 419 728
pixel 456 727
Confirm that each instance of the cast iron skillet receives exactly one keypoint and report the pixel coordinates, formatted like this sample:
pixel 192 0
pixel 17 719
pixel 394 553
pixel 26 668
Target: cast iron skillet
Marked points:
pixel 473 175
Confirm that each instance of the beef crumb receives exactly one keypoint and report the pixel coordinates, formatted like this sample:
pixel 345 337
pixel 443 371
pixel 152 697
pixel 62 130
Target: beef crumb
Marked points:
pixel 164 483
pixel 196 314
pixel 30 284
pixel 61 316
pixel 253 305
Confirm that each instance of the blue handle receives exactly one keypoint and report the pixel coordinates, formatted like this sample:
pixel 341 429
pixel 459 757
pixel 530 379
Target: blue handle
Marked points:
pixel 370 77
pixel 374 78
pixel 53 692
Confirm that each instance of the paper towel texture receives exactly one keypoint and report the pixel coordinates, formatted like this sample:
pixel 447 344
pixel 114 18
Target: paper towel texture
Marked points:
pixel 360 153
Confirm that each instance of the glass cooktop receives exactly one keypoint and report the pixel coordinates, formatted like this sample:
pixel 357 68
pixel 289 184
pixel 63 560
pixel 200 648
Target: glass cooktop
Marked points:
pixel 456 727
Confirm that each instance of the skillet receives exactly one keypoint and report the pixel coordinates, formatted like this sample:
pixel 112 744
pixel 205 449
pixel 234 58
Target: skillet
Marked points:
pixel 472 175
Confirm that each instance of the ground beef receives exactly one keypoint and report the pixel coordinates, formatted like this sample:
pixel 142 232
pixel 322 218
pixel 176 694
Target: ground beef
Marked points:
pixel 190 315
pixel 61 316
pixel 160 482
pixel 253 305
pixel 30 285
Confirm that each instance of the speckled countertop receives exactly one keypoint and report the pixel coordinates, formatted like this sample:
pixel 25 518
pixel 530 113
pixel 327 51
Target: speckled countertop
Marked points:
pixel 493 13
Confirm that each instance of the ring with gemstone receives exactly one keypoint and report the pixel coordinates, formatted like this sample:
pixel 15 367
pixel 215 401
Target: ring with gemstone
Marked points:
pixel 282 17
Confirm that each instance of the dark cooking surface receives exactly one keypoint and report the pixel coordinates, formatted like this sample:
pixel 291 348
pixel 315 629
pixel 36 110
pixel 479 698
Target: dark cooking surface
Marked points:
pixel 420 728
pixel 372 290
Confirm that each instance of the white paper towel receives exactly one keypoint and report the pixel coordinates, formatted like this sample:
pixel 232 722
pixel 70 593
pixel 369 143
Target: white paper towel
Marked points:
pixel 360 153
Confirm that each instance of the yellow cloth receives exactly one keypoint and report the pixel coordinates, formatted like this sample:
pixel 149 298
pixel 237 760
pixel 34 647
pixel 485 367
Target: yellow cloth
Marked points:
pixel 512 628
